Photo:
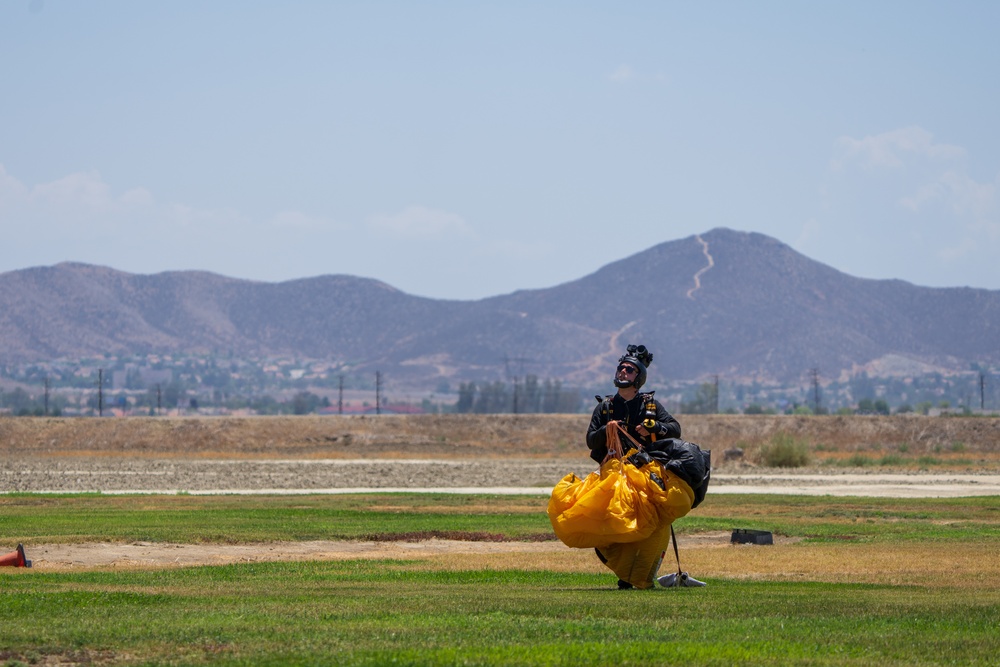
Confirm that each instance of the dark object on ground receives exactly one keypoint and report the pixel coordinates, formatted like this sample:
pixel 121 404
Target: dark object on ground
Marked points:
pixel 747 536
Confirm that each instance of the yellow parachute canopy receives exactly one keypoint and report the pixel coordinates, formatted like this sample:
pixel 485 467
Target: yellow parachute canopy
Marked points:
pixel 623 511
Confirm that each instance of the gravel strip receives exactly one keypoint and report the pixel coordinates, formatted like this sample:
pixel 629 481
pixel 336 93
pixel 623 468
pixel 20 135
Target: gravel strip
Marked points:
pixel 171 475
pixel 134 475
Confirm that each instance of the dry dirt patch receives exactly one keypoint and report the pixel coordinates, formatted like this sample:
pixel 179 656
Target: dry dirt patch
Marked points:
pixel 473 554
pixel 158 555
pixel 706 555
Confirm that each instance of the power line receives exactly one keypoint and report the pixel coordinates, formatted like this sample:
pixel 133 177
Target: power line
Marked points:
pixel 520 361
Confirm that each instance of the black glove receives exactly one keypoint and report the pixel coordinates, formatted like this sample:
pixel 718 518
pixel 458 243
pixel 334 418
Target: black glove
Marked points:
pixel 639 459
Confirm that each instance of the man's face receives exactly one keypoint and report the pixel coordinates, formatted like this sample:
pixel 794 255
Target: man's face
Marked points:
pixel 626 372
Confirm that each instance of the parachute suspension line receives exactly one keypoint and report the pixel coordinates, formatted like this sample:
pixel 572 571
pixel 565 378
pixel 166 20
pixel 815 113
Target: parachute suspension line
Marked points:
pixel 613 433
pixel 613 441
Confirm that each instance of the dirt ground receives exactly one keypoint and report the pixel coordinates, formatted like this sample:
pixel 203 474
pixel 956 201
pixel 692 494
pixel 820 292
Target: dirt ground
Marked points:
pixel 158 555
pixel 458 453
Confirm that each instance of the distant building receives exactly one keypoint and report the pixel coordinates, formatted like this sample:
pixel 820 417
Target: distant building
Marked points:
pixel 146 378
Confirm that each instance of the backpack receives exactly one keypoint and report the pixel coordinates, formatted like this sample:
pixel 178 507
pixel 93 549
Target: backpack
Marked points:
pixel 686 460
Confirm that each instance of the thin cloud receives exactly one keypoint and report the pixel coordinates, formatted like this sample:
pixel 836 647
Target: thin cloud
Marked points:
pixel 83 202
pixel 86 189
pixel 935 179
pixel 810 231
pixel 300 220
pixel 11 189
pixel 893 149
pixel 76 194
pixel 513 249
pixel 905 186
pixel 623 73
pixel 206 219
pixel 960 193
pixel 420 222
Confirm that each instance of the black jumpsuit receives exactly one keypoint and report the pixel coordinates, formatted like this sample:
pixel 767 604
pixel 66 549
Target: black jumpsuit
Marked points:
pixel 628 414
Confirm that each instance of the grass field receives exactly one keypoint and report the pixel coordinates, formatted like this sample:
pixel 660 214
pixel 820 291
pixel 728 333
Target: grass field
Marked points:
pixel 851 581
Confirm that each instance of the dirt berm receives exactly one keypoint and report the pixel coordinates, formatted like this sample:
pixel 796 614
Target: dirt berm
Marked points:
pixel 459 436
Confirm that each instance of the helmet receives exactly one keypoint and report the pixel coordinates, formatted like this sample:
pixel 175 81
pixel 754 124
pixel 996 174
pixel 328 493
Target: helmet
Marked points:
pixel 641 358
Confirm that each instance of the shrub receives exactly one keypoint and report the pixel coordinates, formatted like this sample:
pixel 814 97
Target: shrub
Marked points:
pixel 858 461
pixel 785 451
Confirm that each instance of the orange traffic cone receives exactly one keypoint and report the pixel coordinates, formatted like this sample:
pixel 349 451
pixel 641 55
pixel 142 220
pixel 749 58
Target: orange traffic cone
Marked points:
pixel 15 558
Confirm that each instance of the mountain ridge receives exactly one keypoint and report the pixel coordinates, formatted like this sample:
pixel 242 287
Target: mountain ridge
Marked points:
pixel 737 304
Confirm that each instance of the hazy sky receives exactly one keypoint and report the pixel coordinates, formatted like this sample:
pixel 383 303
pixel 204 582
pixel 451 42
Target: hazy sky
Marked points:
pixel 469 149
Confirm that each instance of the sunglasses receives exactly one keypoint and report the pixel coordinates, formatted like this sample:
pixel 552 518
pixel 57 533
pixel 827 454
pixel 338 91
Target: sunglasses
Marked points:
pixel 631 370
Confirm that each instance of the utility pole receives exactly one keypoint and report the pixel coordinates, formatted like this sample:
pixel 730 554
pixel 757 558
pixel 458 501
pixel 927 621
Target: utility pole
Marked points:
pixel 520 361
pixel 46 397
pixel 982 392
pixel 515 394
pixel 340 396
pixel 814 373
pixel 100 392
pixel 378 392
pixel 159 399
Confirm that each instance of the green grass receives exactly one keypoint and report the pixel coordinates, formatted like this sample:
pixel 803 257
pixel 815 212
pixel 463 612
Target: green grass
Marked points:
pixel 242 519
pixel 374 613
pixel 893 460
pixel 378 612
pixel 861 520
pixel 30 518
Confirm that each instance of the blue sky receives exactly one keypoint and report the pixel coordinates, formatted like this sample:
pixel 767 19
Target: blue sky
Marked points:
pixel 468 149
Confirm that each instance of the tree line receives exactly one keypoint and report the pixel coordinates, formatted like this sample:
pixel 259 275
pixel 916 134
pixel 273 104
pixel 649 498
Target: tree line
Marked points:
pixel 529 396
